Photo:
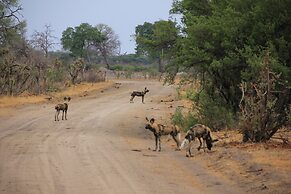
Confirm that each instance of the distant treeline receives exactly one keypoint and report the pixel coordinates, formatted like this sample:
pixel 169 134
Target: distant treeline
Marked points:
pixel 125 59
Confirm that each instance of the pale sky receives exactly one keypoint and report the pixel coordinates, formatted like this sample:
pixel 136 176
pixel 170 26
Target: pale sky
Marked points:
pixel 121 15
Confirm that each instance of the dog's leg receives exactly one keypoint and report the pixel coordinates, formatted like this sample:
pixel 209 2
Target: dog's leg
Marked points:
pixel 189 151
pixel 204 143
pixel 159 139
pixel 156 138
pixel 131 99
pixel 66 114
pixel 58 115
pixel 200 144
pixel 63 114
pixel 176 140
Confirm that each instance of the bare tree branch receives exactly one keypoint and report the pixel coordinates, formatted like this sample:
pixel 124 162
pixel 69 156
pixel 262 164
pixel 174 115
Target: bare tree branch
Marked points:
pixel 43 40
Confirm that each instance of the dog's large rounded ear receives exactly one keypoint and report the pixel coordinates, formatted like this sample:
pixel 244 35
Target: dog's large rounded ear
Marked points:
pixel 65 98
pixel 69 98
pixel 147 119
pixel 152 120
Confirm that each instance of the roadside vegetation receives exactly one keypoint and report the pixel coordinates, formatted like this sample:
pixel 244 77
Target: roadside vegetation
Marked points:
pixel 239 51
pixel 32 65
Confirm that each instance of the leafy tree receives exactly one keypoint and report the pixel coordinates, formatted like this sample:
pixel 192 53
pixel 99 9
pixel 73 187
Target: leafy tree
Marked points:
pixel 79 39
pixel 86 40
pixel 142 33
pixel 219 45
pixel 157 40
pixel 191 7
pixel 223 40
pixel 11 25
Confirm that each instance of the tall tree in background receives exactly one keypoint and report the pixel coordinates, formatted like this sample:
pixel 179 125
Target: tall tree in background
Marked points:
pixel 142 34
pixel 84 39
pixel 11 25
pixel 110 45
pixel 79 39
pixel 43 40
pixel 157 40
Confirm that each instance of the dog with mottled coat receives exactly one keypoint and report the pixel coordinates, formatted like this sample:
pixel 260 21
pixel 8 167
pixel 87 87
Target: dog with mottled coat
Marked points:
pixel 162 130
pixel 198 131
pixel 140 94
pixel 62 107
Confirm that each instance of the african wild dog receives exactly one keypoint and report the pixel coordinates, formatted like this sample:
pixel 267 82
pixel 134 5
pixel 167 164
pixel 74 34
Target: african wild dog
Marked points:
pixel 198 131
pixel 159 130
pixel 136 93
pixel 62 107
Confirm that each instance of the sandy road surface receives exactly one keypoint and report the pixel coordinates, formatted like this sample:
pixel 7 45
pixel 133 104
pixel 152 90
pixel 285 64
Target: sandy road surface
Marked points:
pixel 93 151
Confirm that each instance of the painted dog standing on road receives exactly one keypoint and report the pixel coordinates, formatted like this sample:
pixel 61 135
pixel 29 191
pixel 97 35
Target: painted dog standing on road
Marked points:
pixel 62 107
pixel 137 93
pixel 162 130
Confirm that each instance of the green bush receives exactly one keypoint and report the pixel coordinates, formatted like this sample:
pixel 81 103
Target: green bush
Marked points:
pixel 192 95
pixel 117 68
pixel 55 75
pixel 185 122
pixel 189 120
pixel 212 112
pixel 131 68
pixel 178 118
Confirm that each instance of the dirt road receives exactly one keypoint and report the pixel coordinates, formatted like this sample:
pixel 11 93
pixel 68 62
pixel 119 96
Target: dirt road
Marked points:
pixel 102 148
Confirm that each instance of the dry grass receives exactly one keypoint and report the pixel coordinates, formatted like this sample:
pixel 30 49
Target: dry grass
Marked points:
pixel 8 103
pixel 82 89
pixel 274 153
pixel 255 166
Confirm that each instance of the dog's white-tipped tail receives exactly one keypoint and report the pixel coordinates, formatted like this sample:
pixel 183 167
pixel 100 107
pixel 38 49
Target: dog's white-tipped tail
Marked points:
pixel 184 144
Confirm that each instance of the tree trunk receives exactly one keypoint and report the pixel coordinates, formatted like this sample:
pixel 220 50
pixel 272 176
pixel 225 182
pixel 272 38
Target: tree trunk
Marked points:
pixel 160 63
pixel 255 136
pixel 106 61
pixel 74 80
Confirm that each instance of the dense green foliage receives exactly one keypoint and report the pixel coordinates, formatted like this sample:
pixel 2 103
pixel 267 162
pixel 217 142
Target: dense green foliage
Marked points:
pixel 11 25
pixel 128 59
pixel 224 40
pixel 90 42
pixel 157 41
pixel 79 39
pixel 184 121
pixel 224 43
